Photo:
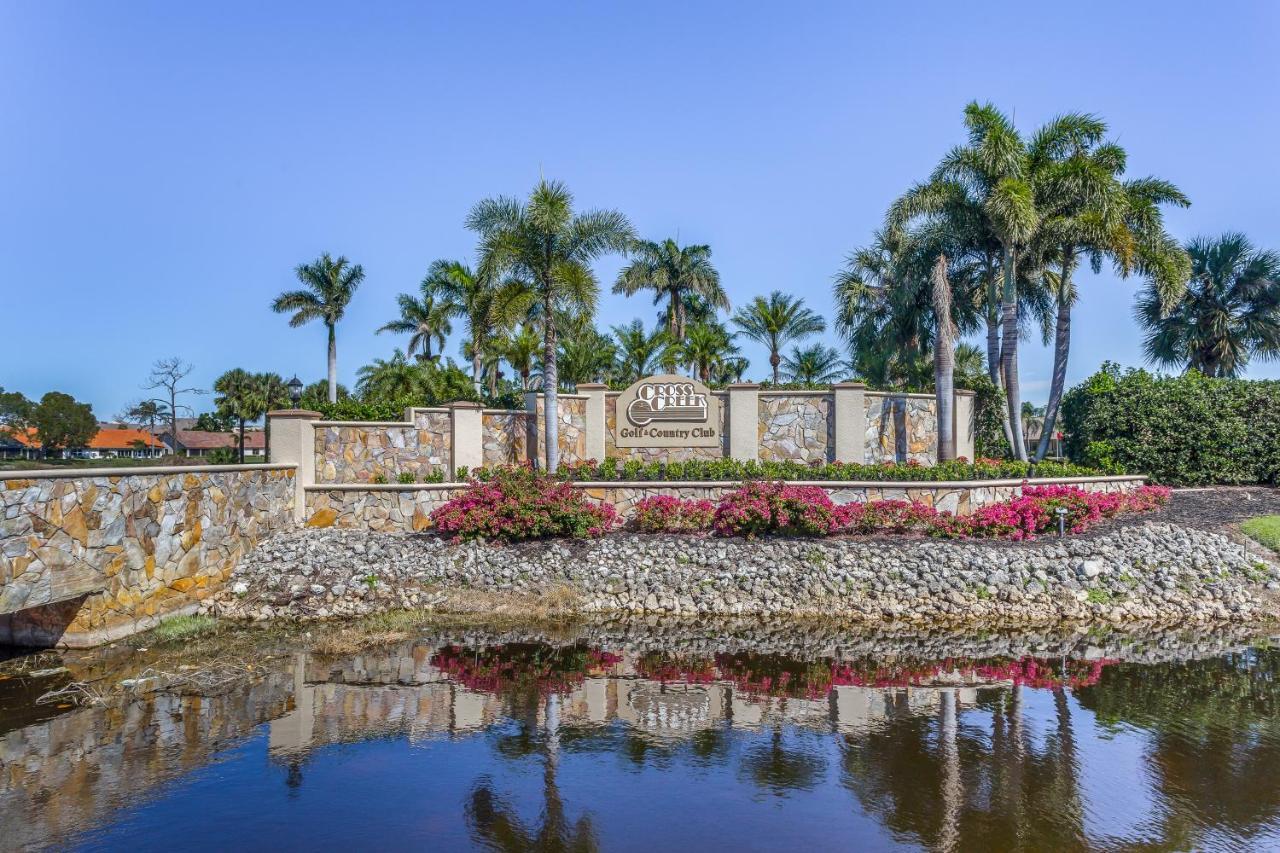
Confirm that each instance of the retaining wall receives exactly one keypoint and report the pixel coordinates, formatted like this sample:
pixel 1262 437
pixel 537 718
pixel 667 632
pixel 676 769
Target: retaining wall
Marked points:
pixel 88 556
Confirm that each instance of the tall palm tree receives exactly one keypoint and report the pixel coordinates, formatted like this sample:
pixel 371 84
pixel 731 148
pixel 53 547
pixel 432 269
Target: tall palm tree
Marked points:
pixel 674 273
pixel 472 297
pixel 639 352
pixel 546 246
pixel 776 322
pixel 425 318
pixel 521 352
pixel 814 365
pixel 239 396
pixel 1228 315
pixel 274 393
pixel 707 347
pixel 328 286
pixel 1089 212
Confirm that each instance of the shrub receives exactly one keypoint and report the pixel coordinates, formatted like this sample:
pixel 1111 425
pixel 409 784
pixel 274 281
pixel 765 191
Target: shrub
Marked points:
pixel 519 503
pixel 1035 512
pixel 887 517
pixel 764 507
pixel 405 477
pixel 1179 430
pixel 223 456
pixel 667 514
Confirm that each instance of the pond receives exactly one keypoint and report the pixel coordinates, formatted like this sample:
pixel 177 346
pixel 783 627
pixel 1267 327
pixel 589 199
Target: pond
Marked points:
pixel 635 736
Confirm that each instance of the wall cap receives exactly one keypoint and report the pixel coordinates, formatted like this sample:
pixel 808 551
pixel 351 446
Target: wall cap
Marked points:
pixel 743 386
pixel 284 414
pixel 141 471
pixel 695 484
pixel 849 386
pixel 465 404
pixel 592 386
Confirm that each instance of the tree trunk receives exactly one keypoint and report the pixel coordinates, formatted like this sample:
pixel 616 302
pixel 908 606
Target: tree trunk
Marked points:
pixel 549 393
pixel 673 320
pixel 993 348
pixel 475 368
pixel 333 364
pixel 775 360
pixel 1009 355
pixel 1061 348
pixel 241 441
pixel 944 361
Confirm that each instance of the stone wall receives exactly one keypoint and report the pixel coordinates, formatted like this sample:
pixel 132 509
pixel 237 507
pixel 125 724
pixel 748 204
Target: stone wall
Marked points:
pixel 661 454
pixel 796 428
pixel 506 437
pixel 91 557
pixel 572 438
pixel 901 428
pixel 365 452
pixel 405 509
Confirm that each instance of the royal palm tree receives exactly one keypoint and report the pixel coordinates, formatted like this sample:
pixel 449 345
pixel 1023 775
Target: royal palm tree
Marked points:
pixel 776 322
pixel 425 318
pixel 239 396
pixel 543 244
pixel 1228 315
pixel 639 352
pixel 328 286
pixel 674 273
pixel 813 365
pixel 390 379
pixel 707 347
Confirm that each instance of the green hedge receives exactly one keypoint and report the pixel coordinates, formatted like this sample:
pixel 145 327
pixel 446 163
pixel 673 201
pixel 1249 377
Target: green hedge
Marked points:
pixel 1179 430
pixel 352 409
pixel 732 469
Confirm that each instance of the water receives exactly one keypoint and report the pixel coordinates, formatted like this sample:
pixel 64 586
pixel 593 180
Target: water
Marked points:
pixel 636 737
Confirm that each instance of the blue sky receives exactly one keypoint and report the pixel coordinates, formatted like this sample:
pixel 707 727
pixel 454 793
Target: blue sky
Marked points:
pixel 164 166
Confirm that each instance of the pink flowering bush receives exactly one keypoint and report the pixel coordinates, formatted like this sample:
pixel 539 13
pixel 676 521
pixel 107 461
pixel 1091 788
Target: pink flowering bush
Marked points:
pixel 667 514
pixel 887 517
pixel 1035 512
pixel 762 507
pixel 520 503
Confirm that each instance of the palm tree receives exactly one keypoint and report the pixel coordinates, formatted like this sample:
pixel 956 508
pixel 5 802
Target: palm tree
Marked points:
pixel 548 248
pixel 521 352
pixel 147 413
pixel 814 365
pixel 674 273
pixel 1088 212
pixel 707 348
pixel 777 321
pixel 485 307
pixel 639 352
pixel 391 379
pixel 328 286
pixel 585 354
pixel 730 370
pixel 274 394
pixel 425 318
pixel 239 396
pixel 1033 418
pixel 1228 315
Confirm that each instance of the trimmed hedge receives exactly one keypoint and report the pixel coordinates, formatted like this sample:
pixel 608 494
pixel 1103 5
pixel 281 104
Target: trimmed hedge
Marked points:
pixel 1184 430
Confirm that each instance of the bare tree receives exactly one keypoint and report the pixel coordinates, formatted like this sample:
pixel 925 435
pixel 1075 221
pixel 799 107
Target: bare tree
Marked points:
pixel 166 376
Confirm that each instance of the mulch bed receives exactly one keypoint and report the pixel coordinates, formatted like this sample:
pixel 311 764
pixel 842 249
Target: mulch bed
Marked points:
pixel 1210 509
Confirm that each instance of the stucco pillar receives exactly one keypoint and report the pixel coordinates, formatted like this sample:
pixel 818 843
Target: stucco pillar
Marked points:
pixel 293 441
pixel 595 393
pixel 743 421
pixel 466 445
pixel 849 408
pixel 966 427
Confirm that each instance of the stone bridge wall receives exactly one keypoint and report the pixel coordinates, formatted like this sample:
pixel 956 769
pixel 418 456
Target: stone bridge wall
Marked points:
pixel 89 556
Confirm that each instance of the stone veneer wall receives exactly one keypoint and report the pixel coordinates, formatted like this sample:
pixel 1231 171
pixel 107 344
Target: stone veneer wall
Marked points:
pixel 506 437
pixel 359 453
pixel 796 428
pixel 572 437
pixel 901 428
pixel 662 454
pixel 120 551
pixel 403 509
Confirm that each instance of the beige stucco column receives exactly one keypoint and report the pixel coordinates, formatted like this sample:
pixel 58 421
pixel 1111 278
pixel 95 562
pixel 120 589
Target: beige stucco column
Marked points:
pixel 293 441
pixel 849 408
pixel 743 421
pixel 966 427
pixel 595 393
pixel 466 445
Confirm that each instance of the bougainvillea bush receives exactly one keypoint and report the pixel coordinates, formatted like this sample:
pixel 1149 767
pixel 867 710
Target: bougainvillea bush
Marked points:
pixel 668 514
pixel 518 503
pixel 763 507
pixel 1034 512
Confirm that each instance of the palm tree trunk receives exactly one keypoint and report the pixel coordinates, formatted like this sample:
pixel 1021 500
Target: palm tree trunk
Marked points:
pixel 475 367
pixel 550 397
pixel 1061 348
pixel 673 318
pixel 993 347
pixel 242 441
pixel 1009 355
pixel 944 361
pixel 333 364
pixel 775 360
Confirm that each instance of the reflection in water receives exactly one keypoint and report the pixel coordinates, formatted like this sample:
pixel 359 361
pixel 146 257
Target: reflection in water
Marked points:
pixel 516 741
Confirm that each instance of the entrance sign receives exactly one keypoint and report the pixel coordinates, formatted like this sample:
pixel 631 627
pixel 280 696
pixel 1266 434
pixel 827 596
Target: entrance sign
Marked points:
pixel 667 411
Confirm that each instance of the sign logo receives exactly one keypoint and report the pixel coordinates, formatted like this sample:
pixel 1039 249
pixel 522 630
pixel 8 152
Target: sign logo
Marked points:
pixel 667 411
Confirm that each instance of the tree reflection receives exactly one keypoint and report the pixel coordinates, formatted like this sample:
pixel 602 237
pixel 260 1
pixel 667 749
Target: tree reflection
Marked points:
pixel 779 769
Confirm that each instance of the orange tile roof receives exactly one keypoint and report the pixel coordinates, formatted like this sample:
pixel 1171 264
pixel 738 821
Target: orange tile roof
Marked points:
pixel 108 438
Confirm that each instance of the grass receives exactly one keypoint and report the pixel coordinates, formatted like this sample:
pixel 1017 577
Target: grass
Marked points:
pixel 183 628
pixel 1265 530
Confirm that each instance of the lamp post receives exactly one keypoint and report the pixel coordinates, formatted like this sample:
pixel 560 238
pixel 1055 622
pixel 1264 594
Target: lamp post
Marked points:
pixel 295 390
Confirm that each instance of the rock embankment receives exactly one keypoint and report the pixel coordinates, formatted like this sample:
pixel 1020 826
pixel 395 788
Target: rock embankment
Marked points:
pixel 1154 572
